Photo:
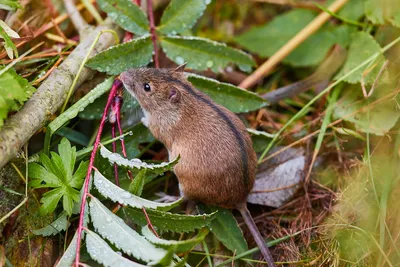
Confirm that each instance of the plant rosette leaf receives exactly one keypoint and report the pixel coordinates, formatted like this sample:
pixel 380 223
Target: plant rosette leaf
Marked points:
pixel 126 14
pixel 117 194
pixel 166 221
pixel 202 54
pixel 176 246
pixel 233 98
pixel 114 60
pixel 181 15
pixel 377 118
pixel 362 47
pixel 379 11
pixel 58 173
pixel 137 163
pixel 113 228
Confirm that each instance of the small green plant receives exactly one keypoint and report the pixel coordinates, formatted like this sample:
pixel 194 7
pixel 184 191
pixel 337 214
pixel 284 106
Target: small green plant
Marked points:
pixel 58 173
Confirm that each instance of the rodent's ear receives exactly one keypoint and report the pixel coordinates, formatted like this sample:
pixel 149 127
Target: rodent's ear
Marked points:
pixel 174 95
pixel 181 68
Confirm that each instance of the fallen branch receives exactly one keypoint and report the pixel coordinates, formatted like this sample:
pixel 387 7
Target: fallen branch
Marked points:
pixel 298 39
pixel 49 97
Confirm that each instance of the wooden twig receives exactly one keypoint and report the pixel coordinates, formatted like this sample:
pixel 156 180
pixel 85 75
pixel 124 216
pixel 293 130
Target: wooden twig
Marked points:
pixel 76 18
pixel 51 94
pixel 311 28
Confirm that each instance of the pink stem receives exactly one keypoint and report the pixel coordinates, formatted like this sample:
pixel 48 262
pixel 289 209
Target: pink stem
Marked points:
pixel 114 148
pixel 153 31
pixel 116 85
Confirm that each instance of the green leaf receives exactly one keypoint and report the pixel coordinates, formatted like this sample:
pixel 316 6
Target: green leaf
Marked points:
pixel 110 226
pixel 79 176
pixel 43 176
pixel 137 163
pixel 379 11
pixel 362 47
pixel 69 255
pixel 117 194
pixel 125 13
pixel 176 246
pixel 354 108
pixel 68 155
pixel 136 187
pixel 181 15
pixel 58 173
pixel 202 54
pixel 233 98
pixel 101 252
pixel 267 39
pixel 10 5
pixel 14 91
pixel 60 224
pixel 50 200
pixel 227 230
pixel 133 54
pixel 6 32
pixel 166 221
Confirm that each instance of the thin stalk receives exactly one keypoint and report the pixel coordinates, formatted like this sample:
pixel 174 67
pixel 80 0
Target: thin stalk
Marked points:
pixel 153 31
pixel 114 88
pixel 71 89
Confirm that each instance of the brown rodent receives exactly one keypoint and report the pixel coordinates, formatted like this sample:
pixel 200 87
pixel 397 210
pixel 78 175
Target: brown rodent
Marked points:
pixel 217 163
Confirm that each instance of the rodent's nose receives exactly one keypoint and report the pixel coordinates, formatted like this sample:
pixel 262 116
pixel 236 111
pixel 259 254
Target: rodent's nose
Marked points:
pixel 123 76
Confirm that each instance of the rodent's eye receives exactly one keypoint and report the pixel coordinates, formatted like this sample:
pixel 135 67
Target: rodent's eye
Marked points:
pixel 146 87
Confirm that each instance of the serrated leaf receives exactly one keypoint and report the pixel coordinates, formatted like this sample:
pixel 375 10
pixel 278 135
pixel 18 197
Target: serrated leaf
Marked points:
pixel 113 228
pixel 128 15
pixel 167 221
pixel 379 11
pixel 69 255
pixel 14 91
pixel 233 98
pixel 10 5
pixel 133 54
pixel 354 108
pixel 60 224
pixel 266 40
pixel 101 252
pixel 202 54
pixel 227 230
pixel 362 47
pixel 136 187
pixel 117 194
pixel 137 163
pixel 6 32
pixel 181 15
pixel 142 135
pixel 176 246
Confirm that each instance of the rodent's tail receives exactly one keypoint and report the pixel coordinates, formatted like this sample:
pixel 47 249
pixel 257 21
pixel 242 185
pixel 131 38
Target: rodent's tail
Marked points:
pixel 256 235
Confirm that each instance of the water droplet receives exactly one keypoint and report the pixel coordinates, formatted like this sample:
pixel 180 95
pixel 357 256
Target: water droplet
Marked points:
pixel 174 32
pixel 109 219
pixel 209 64
pixel 207 2
pixel 179 60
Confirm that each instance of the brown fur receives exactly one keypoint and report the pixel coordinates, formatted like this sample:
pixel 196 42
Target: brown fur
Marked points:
pixel 211 166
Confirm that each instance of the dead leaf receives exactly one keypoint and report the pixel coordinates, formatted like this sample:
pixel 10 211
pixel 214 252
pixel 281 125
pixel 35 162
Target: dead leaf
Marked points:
pixel 278 178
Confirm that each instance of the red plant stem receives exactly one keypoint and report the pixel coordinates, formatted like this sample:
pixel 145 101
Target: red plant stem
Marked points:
pixel 114 148
pixel 116 85
pixel 153 31
pixel 137 2
pixel 149 222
